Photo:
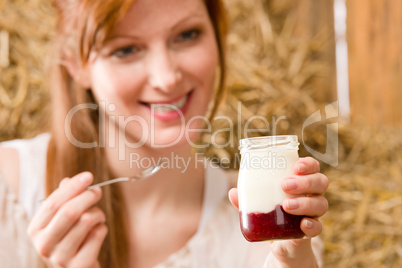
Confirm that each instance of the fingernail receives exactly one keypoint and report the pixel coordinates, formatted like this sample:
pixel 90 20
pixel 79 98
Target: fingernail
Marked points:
pixel 301 168
pixel 308 224
pixel 291 184
pixel 292 204
pixel 86 178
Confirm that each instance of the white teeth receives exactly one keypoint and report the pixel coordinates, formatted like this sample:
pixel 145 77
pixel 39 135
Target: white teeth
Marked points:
pixel 169 107
pixel 180 103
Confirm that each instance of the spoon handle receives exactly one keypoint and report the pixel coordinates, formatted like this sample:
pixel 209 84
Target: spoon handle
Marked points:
pixel 104 183
pixel 108 182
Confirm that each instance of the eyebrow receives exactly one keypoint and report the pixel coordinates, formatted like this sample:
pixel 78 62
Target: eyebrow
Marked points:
pixel 176 25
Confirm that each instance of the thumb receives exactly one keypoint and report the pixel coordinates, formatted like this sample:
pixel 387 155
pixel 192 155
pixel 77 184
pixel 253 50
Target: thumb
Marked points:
pixel 233 197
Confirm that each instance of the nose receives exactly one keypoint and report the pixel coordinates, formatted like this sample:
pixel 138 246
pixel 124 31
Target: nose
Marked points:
pixel 163 70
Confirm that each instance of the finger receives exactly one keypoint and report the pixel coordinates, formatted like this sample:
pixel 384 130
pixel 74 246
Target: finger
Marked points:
pixel 88 253
pixel 51 205
pixel 314 206
pixel 311 227
pixel 307 165
pixel 63 181
pixel 72 241
pixel 233 197
pixel 65 218
pixel 315 184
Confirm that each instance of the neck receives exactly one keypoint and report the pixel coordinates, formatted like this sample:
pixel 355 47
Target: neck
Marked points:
pixel 175 182
pixel 179 181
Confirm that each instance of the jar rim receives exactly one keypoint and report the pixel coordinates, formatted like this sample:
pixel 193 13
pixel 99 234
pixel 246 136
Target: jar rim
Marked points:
pixel 270 142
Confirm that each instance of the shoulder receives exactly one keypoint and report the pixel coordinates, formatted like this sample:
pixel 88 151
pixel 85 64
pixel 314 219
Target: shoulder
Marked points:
pixel 9 167
pixel 18 155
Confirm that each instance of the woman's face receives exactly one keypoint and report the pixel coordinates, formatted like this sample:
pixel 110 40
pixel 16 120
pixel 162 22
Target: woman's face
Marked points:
pixel 157 70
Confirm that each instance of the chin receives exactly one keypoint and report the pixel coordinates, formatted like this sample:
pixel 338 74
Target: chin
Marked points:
pixel 168 138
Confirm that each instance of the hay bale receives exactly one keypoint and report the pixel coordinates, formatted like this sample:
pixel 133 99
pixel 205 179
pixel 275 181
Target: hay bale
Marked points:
pixel 25 28
pixel 363 227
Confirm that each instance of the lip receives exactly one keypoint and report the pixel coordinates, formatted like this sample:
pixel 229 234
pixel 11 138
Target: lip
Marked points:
pixel 173 115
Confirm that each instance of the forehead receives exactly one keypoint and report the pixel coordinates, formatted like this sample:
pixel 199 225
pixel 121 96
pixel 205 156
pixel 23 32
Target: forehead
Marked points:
pixel 150 15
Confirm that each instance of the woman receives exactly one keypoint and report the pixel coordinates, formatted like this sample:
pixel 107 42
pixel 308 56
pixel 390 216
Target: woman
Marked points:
pixel 130 82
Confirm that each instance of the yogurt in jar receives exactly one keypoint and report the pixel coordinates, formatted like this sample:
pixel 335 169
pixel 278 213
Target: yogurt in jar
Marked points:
pixel 265 162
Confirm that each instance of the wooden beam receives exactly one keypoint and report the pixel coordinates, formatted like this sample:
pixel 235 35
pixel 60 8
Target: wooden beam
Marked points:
pixel 375 61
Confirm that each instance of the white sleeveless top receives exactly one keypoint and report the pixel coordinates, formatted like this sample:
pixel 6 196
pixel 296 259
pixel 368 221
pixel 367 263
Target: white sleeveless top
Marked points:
pixel 217 243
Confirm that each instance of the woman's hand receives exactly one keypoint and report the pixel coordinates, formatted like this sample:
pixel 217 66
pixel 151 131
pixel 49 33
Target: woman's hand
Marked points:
pixel 68 230
pixel 311 185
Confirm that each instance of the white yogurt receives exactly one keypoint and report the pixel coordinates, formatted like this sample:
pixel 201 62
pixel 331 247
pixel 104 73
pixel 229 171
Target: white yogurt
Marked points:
pixel 262 170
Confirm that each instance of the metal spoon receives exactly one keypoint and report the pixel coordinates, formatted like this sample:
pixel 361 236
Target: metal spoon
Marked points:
pixel 140 176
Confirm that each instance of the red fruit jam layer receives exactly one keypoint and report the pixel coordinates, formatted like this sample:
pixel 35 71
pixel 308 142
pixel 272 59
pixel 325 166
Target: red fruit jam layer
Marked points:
pixel 274 225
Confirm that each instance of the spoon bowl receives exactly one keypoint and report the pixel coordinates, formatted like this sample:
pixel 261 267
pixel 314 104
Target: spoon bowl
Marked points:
pixel 140 176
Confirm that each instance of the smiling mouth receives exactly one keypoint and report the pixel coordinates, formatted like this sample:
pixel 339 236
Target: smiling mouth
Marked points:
pixel 169 107
pixel 166 107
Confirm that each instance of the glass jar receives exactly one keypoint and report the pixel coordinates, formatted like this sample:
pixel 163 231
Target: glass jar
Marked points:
pixel 265 162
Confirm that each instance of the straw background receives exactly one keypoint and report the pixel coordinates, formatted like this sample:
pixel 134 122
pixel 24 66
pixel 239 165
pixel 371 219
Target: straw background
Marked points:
pixel 272 74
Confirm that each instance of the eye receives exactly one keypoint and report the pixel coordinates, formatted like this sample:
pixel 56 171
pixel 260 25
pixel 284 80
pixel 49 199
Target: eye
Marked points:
pixel 125 51
pixel 189 35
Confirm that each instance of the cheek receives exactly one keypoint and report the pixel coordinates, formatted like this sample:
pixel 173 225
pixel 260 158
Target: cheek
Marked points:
pixel 203 63
pixel 208 68
pixel 114 83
